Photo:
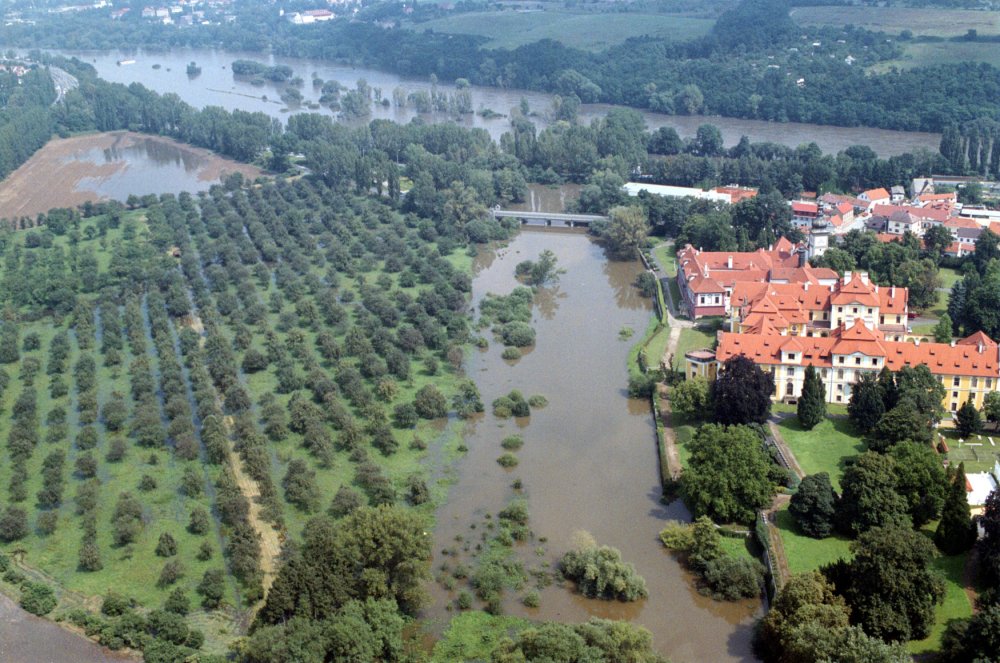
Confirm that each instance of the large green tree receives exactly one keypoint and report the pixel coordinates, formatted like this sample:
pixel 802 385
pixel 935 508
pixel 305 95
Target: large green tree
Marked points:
pixel 868 495
pixel 968 420
pixel 866 406
pixel 729 476
pixel 811 408
pixel 814 506
pixel 956 532
pixel 920 480
pixel 888 584
pixel 741 392
pixel 627 230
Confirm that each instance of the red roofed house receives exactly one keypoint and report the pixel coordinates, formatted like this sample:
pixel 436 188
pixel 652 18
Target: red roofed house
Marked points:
pixel 875 197
pixel 968 369
pixel 815 310
pixel 804 213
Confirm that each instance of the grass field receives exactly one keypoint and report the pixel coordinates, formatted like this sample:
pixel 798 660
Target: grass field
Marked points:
pixel 665 254
pixel 805 553
pixel 948 277
pixel 584 30
pixel 824 448
pixel 702 336
pixel 977 453
pixel 893 20
pixel 955 606
pixel 472 636
pixel 924 54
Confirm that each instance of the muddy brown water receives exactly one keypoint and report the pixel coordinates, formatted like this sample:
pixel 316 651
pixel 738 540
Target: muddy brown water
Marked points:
pixel 216 86
pixel 589 461
pixel 25 638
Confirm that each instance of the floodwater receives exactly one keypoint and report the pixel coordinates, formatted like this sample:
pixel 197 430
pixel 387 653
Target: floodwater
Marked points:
pixel 216 86
pixel 25 638
pixel 68 172
pixel 589 461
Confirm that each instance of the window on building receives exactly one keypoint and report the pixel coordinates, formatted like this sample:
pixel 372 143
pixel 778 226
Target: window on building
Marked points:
pixel 823 373
pixel 898 320
pixel 791 370
pixel 956 381
pixel 840 374
pixel 854 310
pixel 857 361
pixel 840 309
pixel 869 311
pixel 874 361
pixel 839 398
pixel 954 406
pixel 840 360
pixel 717 300
pixel 975 383
pixel 791 356
pixel 989 383
pixel 954 394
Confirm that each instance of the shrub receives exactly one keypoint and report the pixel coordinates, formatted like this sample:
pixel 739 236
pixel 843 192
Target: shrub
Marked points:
pixel 199 522
pixel 178 602
pixel 512 442
pixel 166 546
pixel 47 522
pixel 13 524
pixel 171 573
pixel 599 572
pixel 507 460
pixel 518 334
pixel 430 403
pixel 511 354
pixel 212 588
pixel 147 483
pixel 532 599
pixel 732 578
pixel 538 400
pixel 464 600
pixel 37 598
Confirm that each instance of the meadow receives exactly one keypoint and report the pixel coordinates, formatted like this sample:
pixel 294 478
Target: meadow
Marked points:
pixel 893 20
pixel 584 30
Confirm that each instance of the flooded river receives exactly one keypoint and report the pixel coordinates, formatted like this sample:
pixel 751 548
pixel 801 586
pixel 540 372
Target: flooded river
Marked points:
pixel 589 461
pixel 216 86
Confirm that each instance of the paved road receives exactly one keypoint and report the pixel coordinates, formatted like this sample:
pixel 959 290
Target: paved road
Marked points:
pixel 64 82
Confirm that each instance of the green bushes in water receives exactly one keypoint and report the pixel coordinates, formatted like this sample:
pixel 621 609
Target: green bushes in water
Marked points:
pixel 518 334
pixel 37 598
pixel 600 572
pixel 513 404
pixel 722 576
pixel 507 460
pixel 511 354
pixel 512 442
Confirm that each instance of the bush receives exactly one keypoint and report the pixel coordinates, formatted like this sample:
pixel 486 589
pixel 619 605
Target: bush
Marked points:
pixel 171 573
pixel 511 354
pixel 518 334
pixel 642 386
pixel 37 598
pixel 599 572
pixel 199 522
pixel 507 460
pixel 47 522
pixel 732 578
pixel 430 403
pixel 13 524
pixel 512 442
pixel 166 546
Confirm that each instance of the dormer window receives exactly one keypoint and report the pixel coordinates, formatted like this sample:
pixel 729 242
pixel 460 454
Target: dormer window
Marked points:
pixel 791 356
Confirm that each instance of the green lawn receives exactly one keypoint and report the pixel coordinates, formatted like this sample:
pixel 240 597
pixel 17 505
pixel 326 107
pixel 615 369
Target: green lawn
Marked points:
pixel 923 54
pixel 735 547
pixel 657 345
pixel 683 432
pixel 919 21
pixel 977 453
pixel 805 553
pixel 948 277
pixel 824 448
pixel 586 30
pixel 702 336
pixel 956 603
pixel 665 254
pixel 472 636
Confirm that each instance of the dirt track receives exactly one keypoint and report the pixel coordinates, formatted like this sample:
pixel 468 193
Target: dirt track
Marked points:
pixel 51 177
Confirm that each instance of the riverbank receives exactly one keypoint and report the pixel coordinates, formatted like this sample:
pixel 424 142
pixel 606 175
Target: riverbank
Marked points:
pixel 71 171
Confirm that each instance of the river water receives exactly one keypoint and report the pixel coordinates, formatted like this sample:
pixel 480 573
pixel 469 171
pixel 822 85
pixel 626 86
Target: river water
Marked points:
pixel 589 461
pixel 216 86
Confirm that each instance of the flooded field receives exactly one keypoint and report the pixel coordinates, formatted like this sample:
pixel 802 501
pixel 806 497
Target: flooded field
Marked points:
pixel 217 86
pixel 25 638
pixel 589 460
pixel 109 166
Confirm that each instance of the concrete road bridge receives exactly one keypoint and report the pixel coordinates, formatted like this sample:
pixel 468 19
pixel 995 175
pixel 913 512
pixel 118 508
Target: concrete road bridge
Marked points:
pixel 549 218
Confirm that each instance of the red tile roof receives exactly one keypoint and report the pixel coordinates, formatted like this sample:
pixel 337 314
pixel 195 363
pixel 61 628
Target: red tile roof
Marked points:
pixel 876 194
pixel 856 290
pixel 940 358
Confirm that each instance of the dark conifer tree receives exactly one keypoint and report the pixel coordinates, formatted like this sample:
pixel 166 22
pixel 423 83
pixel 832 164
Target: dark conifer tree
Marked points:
pixel 956 532
pixel 812 402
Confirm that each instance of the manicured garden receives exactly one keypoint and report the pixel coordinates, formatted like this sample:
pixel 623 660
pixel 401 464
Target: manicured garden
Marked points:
pixel 825 448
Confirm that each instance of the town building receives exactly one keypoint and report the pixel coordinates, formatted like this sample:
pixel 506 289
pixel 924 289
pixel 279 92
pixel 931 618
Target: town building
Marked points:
pixel 968 369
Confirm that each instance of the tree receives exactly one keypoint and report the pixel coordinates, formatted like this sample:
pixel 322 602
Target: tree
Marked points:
pixel 868 495
pixel 600 572
pixel 430 403
pixel 902 422
pixel 379 552
pixel 943 329
pixel 811 408
pixel 866 406
pixel 741 393
pixel 920 480
pixel 991 407
pixel 989 545
pixel 689 399
pixel 889 584
pixel 736 453
pixel 166 546
pixel 925 392
pixel 805 621
pixel 212 588
pixel 968 420
pixel 178 602
pixel 300 486
pixel 974 639
pixel 37 598
pixel 956 532
pixel 13 524
pixel 627 229
pixel 814 506
pixel 937 239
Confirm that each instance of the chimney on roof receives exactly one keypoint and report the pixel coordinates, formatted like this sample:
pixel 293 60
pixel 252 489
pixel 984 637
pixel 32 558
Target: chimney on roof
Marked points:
pixel 953 343
pixel 729 263
pixel 892 292
pixel 917 340
pixel 981 346
pixel 805 286
pixel 876 288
